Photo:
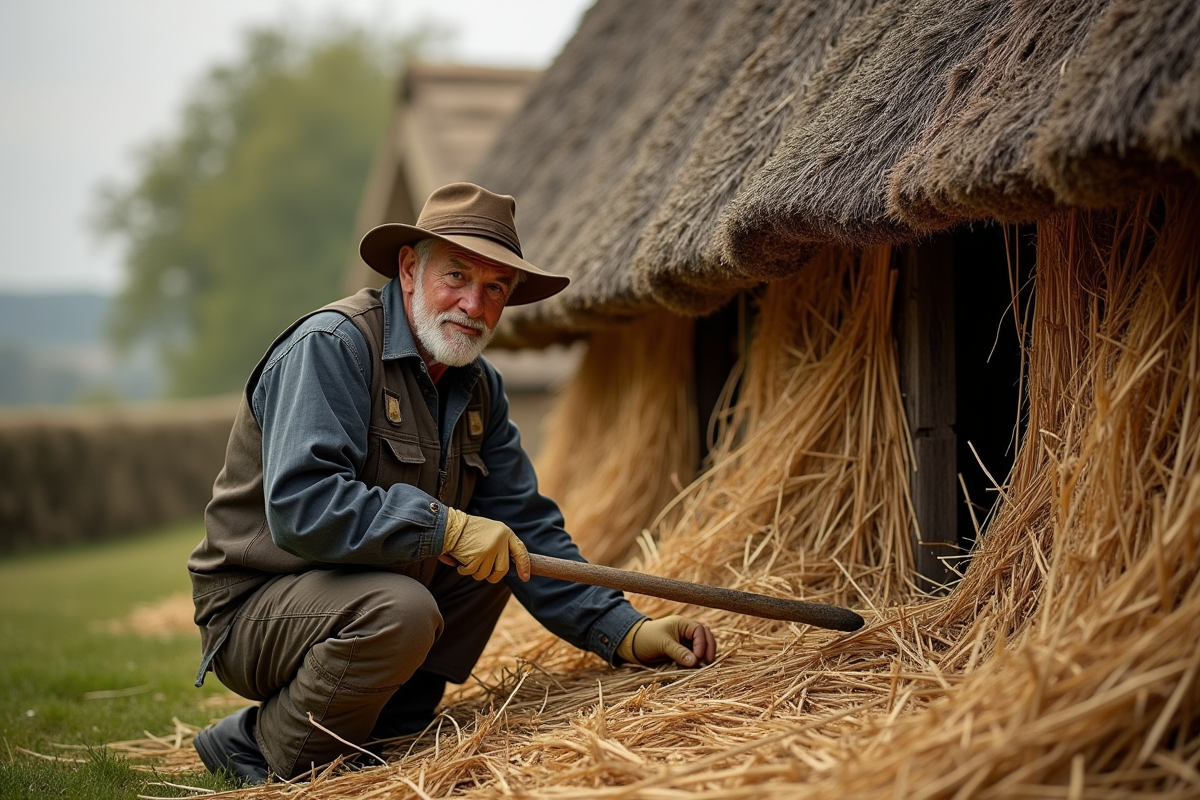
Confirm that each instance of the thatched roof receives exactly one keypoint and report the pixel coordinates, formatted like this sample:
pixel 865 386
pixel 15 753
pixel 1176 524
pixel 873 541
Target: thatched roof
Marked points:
pixel 581 132
pixel 607 244
pixel 677 152
pixel 973 159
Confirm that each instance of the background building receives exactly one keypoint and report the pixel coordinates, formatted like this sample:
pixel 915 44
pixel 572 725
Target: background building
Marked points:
pixel 445 118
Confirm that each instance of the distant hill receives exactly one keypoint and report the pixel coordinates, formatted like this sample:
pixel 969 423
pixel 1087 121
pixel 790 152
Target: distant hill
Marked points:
pixel 66 318
pixel 53 352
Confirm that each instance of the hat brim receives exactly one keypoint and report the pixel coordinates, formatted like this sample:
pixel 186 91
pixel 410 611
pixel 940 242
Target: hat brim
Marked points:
pixel 380 249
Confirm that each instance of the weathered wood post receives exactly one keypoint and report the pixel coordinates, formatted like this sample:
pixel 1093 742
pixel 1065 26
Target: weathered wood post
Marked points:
pixel 925 338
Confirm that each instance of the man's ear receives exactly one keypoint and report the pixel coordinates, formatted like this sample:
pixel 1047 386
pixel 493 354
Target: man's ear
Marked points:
pixel 408 268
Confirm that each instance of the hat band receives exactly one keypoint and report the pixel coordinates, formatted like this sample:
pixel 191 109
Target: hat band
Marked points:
pixel 500 237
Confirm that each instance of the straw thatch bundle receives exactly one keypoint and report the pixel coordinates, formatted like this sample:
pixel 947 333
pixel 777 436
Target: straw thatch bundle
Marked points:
pixel 1128 115
pixel 1078 620
pixel 677 262
pixel 872 98
pixel 1063 665
pixel 973 158
pixel 809 485
pixel 623 436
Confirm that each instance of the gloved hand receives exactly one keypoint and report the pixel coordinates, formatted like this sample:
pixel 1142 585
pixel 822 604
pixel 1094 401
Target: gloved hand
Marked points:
pixel 675 638
pixel 481 547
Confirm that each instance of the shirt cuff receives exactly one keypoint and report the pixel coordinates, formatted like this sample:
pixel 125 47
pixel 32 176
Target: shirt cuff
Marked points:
pixel 436 540
pixel 608 631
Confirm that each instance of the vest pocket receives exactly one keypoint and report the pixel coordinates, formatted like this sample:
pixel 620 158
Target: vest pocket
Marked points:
pixel 399 462
pixel 473 468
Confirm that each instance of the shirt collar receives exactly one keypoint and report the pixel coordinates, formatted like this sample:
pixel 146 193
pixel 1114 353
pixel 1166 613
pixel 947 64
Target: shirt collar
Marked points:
pixel 398 339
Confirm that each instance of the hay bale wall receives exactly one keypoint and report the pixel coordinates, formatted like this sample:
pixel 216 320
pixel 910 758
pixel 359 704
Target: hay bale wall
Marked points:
pixel 83 475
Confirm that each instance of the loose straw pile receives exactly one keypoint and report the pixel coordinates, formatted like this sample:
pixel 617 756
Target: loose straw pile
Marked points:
pixel 172 615
pixel 1063 665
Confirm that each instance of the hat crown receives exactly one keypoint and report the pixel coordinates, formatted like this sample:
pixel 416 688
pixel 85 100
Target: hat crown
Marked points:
pixel 464 209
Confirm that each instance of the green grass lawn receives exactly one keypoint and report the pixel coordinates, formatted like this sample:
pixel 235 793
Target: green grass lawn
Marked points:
pixel 67 678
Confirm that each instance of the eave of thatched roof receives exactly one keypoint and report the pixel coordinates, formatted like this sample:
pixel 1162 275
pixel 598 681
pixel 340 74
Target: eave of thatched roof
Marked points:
pixel 612 239
pixel 868 105
pixel 973 158
pixel 1128 116
pixel 738 139
pixel 677 262
pixel 1039 104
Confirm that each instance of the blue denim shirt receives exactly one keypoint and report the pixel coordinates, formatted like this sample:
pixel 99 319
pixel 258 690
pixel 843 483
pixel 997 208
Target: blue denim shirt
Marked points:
pixel 313 405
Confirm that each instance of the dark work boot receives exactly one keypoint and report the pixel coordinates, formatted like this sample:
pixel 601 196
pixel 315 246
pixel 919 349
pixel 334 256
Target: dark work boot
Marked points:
pixel 229 746
pixel 410 709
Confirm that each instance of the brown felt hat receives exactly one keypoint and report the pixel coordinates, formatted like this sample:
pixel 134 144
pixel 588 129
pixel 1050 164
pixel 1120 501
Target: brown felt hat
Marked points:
pixel 474 219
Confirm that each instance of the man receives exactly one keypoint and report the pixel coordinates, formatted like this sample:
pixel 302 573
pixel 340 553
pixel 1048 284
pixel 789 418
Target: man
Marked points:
pixel 358 545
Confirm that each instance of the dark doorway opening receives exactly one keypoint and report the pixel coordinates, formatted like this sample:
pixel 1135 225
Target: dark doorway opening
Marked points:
pixel 992 297
pixel 961 303
pixel 718 345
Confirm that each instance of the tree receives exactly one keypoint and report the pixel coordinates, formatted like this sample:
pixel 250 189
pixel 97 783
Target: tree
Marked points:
pixel 242 221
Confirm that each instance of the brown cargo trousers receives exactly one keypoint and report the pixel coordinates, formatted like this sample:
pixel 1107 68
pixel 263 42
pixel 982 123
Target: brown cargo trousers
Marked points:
pixel 338 643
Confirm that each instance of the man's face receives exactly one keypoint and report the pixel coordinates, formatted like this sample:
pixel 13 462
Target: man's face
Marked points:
pixel 454 302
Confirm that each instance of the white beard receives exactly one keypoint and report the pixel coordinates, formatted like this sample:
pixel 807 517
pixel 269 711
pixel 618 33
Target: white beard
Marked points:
pixel 447 345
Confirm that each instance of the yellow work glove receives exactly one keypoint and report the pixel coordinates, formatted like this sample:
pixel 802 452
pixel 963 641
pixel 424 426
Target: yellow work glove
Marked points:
pixel 664 639
pixel 482 547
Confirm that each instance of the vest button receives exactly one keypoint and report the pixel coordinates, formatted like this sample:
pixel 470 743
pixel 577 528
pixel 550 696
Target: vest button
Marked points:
pixel 433 507
pixel 603 639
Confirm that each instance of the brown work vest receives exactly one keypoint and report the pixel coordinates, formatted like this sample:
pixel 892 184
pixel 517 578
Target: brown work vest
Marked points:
pixel 238 555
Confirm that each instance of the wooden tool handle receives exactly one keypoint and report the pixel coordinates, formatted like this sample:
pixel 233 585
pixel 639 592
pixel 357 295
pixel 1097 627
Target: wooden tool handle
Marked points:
pixel 756 605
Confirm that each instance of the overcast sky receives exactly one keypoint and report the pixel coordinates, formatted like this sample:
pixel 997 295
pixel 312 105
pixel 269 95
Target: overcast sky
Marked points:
pixel 84 82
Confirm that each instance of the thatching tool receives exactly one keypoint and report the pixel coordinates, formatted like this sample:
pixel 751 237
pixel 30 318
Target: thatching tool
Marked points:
pixel 757 605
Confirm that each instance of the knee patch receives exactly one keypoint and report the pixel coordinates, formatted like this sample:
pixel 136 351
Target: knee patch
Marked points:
pixel 399 617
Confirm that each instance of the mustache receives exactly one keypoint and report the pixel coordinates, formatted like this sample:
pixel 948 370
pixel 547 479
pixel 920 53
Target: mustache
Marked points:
pixel 459 318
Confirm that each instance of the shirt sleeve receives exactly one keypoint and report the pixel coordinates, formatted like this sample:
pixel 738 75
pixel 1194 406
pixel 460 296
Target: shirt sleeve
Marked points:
pixel 313 405
pixel 589 617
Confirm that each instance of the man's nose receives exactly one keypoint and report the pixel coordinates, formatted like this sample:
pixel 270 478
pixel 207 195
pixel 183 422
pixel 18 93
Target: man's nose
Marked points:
pixel 470 301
